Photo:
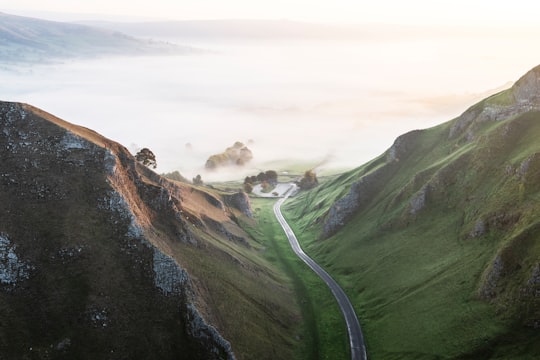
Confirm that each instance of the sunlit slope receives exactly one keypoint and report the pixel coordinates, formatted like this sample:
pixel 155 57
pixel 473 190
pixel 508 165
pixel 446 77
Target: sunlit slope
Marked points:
pixel 101 258
pixel 437 241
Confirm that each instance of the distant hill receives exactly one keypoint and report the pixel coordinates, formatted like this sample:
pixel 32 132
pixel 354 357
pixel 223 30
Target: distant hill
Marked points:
pixel 228 29
pixel 29 40
pixel 438 239
pixel 101 258
pixel 251 29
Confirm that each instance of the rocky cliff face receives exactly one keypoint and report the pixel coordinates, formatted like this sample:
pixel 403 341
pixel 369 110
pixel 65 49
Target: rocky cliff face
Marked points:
pixel 241 202
pixel 363 191
pixel 523 97
pixel 94 251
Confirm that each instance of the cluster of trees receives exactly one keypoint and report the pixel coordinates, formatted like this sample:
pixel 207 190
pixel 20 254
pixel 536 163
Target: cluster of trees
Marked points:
pixel 146 157
pixel 267 178
pixel 237 155
pixel 309 180
pixel 175 175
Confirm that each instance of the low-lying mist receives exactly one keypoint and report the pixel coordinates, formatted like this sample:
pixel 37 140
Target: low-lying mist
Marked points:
pixel 343 102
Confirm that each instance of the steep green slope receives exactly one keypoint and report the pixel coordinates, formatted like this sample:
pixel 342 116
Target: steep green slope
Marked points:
pixel 438 239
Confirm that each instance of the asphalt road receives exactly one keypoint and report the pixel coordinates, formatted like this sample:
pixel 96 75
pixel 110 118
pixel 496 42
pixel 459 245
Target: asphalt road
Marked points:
pixel 356 339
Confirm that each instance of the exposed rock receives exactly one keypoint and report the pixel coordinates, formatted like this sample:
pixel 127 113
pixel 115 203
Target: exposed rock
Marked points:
pixel 173 280
pixel 494 221
pixel 532 291
pixel 214 201
pixel 488 289
pixel 98 317
pixel 461 123
pixel 418 201
pixel 199 329
pixel 535 276
pixel 240 201
pixel 524 167
pixel 527 88
pixel 168 276
pixel 363 191
pixel 523 97
pixel 529 169
pixel 480 229
pixel 12 269
pixel 220 228
pixel 402 146
pixel 64 344
pixel 358 197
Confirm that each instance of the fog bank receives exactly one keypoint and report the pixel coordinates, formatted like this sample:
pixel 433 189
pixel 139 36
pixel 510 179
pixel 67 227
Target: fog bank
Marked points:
pixel 309 100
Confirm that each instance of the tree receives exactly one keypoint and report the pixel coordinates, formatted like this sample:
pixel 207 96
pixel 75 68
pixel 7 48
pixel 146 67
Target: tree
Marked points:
pixel 146 157
pixel 248 188
pixel 261 177
pixel 271 177
pixel 309 180
pixel 197 180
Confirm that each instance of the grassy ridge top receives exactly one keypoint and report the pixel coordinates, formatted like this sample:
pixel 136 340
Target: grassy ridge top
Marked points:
pixel 436 240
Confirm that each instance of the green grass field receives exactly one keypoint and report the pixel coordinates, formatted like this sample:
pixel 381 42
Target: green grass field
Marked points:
pixel 323 332
pixel 416 278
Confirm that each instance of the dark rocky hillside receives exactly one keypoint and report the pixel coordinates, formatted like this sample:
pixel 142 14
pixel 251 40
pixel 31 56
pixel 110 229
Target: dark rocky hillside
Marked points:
pixel 439 237
pixel 101 258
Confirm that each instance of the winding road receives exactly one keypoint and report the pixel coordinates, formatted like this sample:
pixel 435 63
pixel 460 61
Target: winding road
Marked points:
pixel 356 339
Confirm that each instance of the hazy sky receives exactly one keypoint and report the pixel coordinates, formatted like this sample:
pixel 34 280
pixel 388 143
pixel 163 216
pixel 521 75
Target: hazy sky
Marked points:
pixel 455 12
pixel 355 97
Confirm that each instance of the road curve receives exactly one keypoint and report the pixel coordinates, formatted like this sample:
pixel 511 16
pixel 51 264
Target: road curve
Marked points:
pixel 356 339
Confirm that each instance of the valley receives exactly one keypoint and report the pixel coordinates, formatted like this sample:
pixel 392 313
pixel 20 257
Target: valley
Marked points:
pixel 328 211
pixel 356 339
pixel 324 329
pixel 434 242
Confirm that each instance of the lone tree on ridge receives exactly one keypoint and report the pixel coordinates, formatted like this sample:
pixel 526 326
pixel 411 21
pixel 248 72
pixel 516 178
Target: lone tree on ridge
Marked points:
pixel 146 157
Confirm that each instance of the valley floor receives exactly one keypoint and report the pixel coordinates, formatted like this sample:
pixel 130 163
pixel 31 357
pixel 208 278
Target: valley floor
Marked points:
pixel 279 191
pixel 323 333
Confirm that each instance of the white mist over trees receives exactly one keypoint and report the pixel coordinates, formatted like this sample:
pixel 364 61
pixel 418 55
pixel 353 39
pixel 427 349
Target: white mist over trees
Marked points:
pixel 310 100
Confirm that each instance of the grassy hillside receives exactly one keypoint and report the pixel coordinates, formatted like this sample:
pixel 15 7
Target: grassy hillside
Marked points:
pixel 437 241
pixel 101 258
